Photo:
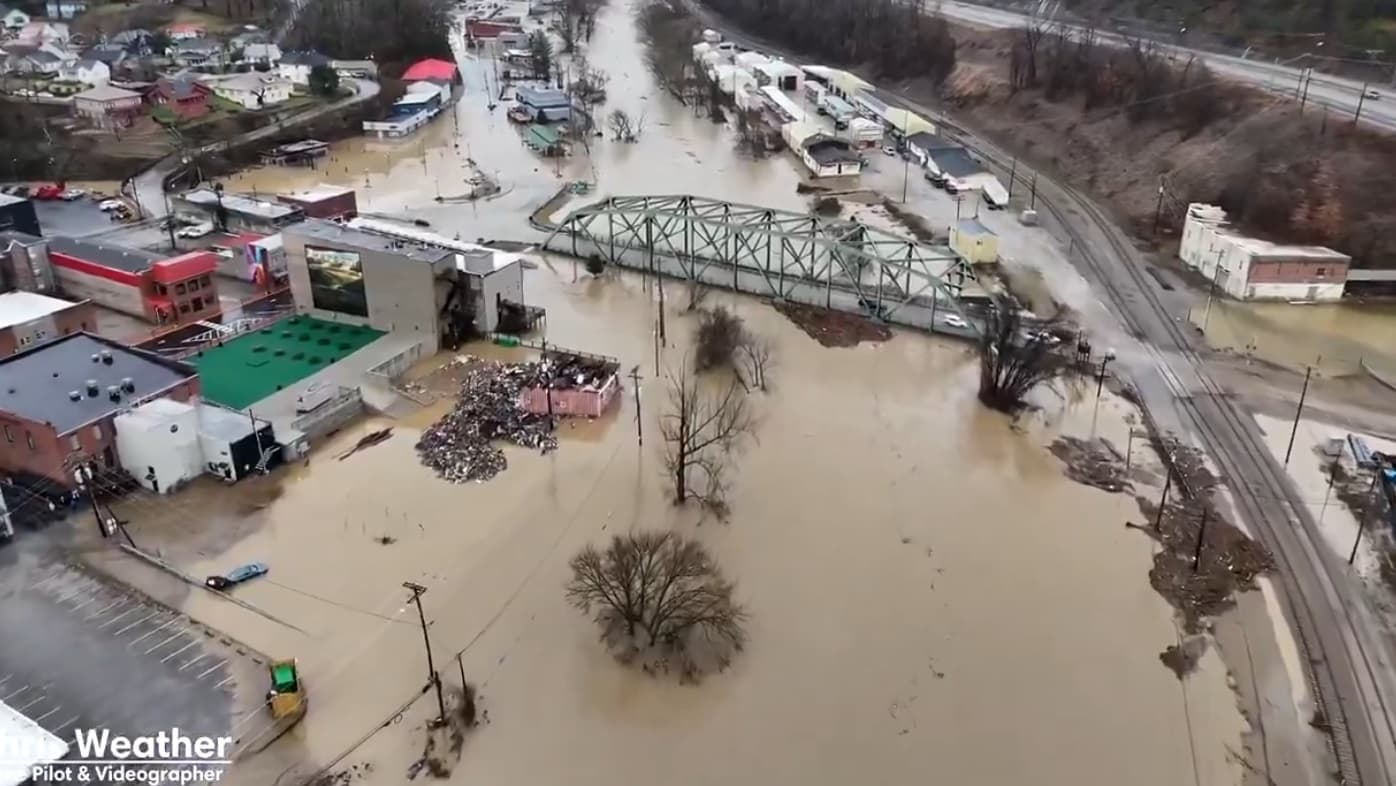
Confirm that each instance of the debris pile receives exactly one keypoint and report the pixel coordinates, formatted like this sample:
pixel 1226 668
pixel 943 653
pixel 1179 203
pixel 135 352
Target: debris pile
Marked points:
pixel 459 447
pixel 833 328
pixel 1091 463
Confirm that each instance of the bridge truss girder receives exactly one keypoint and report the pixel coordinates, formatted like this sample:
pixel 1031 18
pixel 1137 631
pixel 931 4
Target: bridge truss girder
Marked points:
pixel 771 253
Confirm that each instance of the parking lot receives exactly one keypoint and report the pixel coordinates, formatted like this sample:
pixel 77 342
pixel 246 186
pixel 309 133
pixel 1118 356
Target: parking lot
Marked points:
pixel 80 653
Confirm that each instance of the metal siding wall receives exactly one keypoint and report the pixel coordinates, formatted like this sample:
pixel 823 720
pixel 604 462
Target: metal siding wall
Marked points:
pixel 118 297
pixel 401 296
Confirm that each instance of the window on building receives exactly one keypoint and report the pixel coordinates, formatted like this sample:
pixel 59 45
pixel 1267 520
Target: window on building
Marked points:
pixel 184 308
pixel 160 289
pixel 75 442
pixel 97 431
pixel 1321 272
pixel 179 289
pixel 84 326
pixel 194 285
pixel 205 281
pixel 9 435
pixel 198 303
pixel 30 439
pixel 336 281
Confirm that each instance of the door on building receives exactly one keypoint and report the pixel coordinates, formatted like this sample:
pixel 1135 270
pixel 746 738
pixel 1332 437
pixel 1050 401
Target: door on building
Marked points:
pixel 108 457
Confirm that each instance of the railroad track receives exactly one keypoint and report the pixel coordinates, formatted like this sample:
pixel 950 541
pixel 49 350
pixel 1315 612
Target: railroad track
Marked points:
pixel 1234 449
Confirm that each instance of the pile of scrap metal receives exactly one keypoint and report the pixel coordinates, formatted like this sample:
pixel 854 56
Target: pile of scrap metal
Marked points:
pixel 563 370
pixel 459 447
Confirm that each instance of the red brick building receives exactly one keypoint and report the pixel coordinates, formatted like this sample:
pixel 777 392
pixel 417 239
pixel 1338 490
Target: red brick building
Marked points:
pixel 59 399
pixel 161 290
pixel 185 96
pixel 322 201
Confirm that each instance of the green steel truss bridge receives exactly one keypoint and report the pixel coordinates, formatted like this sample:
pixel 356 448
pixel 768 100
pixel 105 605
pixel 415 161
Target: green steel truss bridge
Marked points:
pixel 771 253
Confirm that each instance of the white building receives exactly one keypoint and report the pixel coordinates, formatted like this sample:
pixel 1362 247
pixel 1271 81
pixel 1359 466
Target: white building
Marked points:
pixel 65 9
pixel 253 91
pixel 974 242
pixel 92 73
pixel 14 18
pixel 295 66
pixel 266 54
pixel 826 156
pixel 780 74
pixel 158 443
pixel 1249 268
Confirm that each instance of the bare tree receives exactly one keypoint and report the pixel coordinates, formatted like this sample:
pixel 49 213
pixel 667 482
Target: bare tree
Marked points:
pixel 701 429
pixel 697 294
pixel 1013 359
pixel 717 337
pixel 622 129
pixel 661 592
pixel 755 358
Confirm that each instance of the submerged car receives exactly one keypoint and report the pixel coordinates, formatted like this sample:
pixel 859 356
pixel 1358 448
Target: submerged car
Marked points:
pixel 954 321
pixel 236 576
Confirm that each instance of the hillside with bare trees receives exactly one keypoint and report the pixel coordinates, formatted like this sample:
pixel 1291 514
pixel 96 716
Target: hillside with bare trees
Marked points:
pixel 392 32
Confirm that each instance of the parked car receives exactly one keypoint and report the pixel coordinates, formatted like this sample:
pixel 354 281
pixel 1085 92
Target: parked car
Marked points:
pixel 49 191
pixel 108 205
pixel 236 576
pixel 72 195
pixel 889 150
pixel 953 320
pixel 20 190
pixel 936 179
pixel 197 230
pixel 1371 94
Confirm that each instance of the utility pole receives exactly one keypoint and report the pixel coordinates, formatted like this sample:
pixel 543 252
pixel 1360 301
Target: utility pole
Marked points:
pixel 1308 77
pixel 659 281
pixel 417 590
pixel 1162 500
pixel 1211 293
pixel 1362 520
pixel 1032 202
pixel 906 175
pixel 548 388
pixel 1361 98
pixel 1201 533
pixel 639 427
pixel 1012 175
pixel 1158 208
pixel 1303 392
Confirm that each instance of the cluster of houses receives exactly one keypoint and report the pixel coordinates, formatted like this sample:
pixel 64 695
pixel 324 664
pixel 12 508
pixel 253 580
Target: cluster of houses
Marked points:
pixel 175 72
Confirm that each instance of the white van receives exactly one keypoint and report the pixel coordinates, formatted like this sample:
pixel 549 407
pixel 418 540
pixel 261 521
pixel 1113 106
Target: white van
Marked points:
pixel 315 396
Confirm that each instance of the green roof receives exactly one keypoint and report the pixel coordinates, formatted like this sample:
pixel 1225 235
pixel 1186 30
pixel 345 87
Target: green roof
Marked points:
pixel 250 367
pixel 543 136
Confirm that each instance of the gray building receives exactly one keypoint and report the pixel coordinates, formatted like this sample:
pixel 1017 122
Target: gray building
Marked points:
pixel 398 280
pixel 236 212
pixel 24 263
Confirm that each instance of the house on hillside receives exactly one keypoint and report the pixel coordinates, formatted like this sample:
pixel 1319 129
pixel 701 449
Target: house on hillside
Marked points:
pixel 253 91
pixel 89 72
pixel 38 63
pixel 44 33
pixel 64 9
pixel 184 96
pixel 110 54
pixel 262 54
pixel 137 41
pixel 295 66
pixel 13 18
pixel 189 52
pixel 184 31
pixel 107 107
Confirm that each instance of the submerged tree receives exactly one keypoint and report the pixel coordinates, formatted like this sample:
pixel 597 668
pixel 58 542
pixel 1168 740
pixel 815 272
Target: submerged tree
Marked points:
pixel 700 430
pixel 1012 359
pixel 717 338
pixel 540 54
pixel 661 592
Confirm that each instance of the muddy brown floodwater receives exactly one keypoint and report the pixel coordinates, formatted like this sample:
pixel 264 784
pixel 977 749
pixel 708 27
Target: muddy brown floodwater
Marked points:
pixel 929 594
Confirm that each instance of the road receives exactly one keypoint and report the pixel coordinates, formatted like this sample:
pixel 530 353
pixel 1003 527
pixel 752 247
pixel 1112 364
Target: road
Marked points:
pixel 149 186
pixel 1348 650
pixel 1341 96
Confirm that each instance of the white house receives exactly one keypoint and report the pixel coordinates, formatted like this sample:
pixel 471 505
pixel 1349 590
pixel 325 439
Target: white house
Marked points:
pixel 90 72
pixel 295 66
pixel 13 18
pixel 44 33
pixel 267 54
pixel 1249 268
pixel 253 91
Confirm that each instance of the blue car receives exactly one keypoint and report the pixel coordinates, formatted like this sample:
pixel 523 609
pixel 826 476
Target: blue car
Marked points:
pixel 236 576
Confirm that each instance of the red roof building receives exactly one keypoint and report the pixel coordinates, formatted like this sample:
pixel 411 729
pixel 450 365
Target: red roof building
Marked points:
pixel 185 96
pixel 161 290
pixel 430 69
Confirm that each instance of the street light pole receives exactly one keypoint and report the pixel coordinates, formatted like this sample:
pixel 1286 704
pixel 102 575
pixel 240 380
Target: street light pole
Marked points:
pixel 1362 520
pixel 417 590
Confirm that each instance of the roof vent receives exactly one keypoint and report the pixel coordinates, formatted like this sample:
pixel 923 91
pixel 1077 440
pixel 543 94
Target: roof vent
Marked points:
pixel 114 392
pixel 96 357
pixel 75 395
pixel 92 388
pixel 106 357
pixel 128 385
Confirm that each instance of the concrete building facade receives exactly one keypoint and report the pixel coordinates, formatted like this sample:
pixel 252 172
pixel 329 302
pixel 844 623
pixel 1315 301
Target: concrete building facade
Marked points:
pixel 59 401
pixel 1249 268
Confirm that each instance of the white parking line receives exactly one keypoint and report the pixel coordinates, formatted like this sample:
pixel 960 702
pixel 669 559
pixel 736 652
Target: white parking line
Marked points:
pixel 191 643
pixel 171 638
pixel 16 693
pixel 137 622
pixel 40 719
pixel 7 679
pixel 62 598
pixel 205 672
pixel 201 656
pixel 65 724
pixel 92 597
pixel 226 680
pixel 138 639
pixel 119 616
pixel 106 608
pixel 30 704
pixel 50 579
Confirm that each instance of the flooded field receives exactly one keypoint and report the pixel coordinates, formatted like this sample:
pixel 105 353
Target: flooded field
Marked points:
pixel 1335 338
pixel 928 593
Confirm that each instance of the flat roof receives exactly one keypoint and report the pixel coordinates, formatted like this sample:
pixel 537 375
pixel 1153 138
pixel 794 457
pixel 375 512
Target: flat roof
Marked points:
pixel 238 203
pixel 35 384
pixel 223 424
pixel 34 744
pixel 502 259
pixel 10 199
pixel 956 162
pixel 353 234
pixel 974 227
pixel 19 307
pixel 131 260
pixel 243 370
pixel 317 193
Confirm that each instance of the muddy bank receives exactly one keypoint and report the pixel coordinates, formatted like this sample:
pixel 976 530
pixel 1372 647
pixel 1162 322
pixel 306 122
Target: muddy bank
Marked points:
pixel 833 328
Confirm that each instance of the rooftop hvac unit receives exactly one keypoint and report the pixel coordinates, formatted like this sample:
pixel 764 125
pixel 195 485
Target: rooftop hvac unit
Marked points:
pixel 128 385
pixel 114 392
pixel 92 388
pixel 75 395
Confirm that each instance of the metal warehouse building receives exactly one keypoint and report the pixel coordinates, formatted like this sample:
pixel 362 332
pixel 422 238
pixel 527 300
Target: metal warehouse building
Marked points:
pixel 161 290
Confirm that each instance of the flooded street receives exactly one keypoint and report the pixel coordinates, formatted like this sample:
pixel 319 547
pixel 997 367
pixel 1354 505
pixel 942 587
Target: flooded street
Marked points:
pixel 1335 338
